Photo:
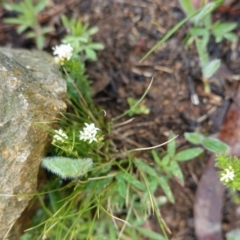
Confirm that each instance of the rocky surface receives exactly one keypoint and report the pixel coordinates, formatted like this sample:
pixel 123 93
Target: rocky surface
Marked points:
pixel 31 92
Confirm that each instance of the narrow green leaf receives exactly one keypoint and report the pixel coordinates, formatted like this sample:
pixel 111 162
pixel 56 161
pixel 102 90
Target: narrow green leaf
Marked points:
pixel 133 181
pixel 222 28
pixel 215 145
pixel 122 186
pixel 156 157
pixel 188 154
pixel 187 7
pixel 171 146
pixel 150 234
pixel 177 172
pixel 206 10
pixel 96 46
pixel 195 137
pixel 211 68
pixel 40 6
pixel 67 167
pixel 21 28
pixel 202 51
pixel 166 189
pixel 145 168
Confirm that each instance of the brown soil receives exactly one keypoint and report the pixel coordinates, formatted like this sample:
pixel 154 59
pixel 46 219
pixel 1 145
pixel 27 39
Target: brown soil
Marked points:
pixel 128 29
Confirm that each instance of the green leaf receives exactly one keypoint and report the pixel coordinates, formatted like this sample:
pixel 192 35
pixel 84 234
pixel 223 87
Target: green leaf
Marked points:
pixel 96 46
pixel 122 186
pixel 195 137
pixel 93 30
pixel 231 37
pixel 171 146
pixel 222 28
pixel 39 42
pixel 187 7
pixel 165 160
pixel 177 172
pixel 22 28
pixel 156 157
pixel 198 31
pixel 133 181
pixel 188 154
pixel 145 168
pixel 67 167
pixel 211 68
pixel 206 10
pixel 91 54
pixel 166 189
pixel 150 234
pixel 215 145
pixel 40 6
pixel 202 51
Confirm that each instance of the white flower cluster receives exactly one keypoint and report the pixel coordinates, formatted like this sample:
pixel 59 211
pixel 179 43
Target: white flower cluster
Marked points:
pixel 227 175
pixel 89 133
pixel 63 52
pixel 59 136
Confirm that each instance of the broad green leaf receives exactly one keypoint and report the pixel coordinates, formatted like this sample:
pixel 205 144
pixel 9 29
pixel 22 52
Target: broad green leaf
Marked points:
pixel 93 30
pixel 215 145
pixel 91 54
pixel 166 189
pixel 198 31
pixel 145 168
pixel 195 138
pixel 187 7
pixel 177 172
pixel 171 146
pixel 211 68
pixel 133 181
pixel 165 160
pixel 122 186
pixel 231 37
pixel 67 167
pixel 188 154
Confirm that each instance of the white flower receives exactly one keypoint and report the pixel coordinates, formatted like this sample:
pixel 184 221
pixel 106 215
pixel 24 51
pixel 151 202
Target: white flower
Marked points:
pixel 63 52
pixel 89 133
pixel 227 175
pixel 59 136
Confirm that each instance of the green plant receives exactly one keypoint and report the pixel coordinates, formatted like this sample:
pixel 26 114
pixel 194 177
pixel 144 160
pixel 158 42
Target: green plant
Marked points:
pixel 228 166
pixel 79 36
pixel 200 34
pixel 139 109
pixel 112 192
pixel 27 20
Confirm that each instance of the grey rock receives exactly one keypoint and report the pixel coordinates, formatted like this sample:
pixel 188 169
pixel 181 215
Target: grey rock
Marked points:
pixel 32 92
